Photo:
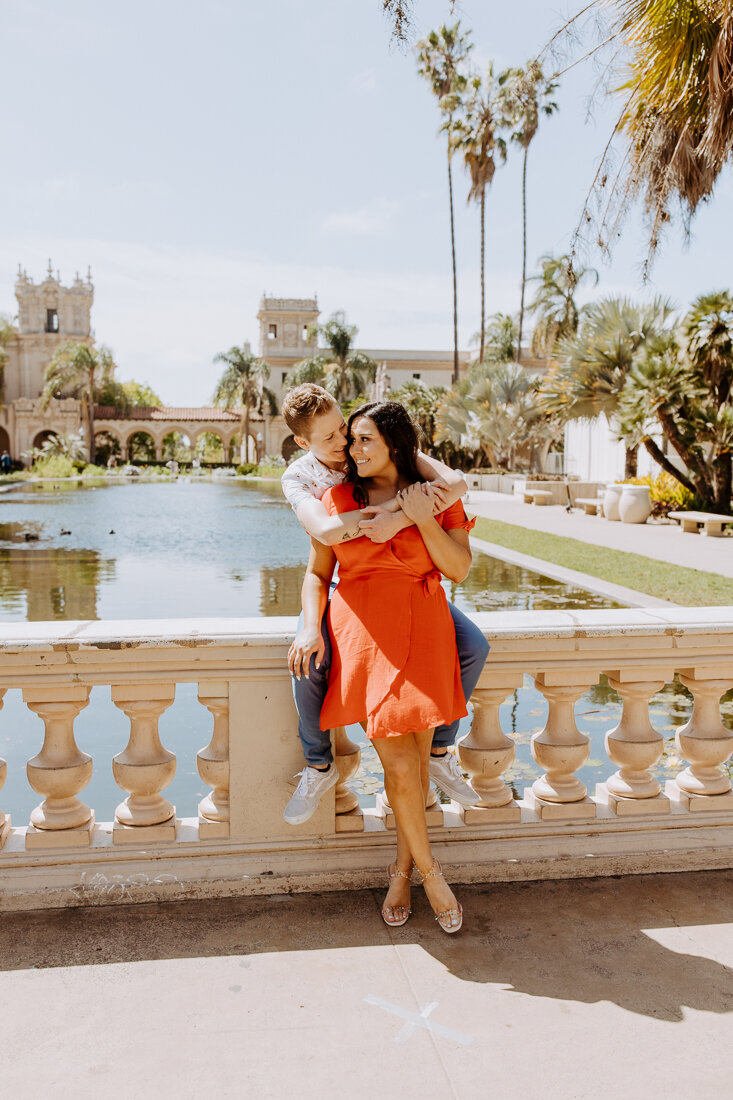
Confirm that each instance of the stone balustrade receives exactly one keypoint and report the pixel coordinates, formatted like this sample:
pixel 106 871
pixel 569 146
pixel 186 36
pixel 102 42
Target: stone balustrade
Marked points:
pixel 239 843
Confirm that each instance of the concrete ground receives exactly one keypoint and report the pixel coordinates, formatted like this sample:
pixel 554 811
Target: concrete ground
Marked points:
pixel 595 988
pixel 661 541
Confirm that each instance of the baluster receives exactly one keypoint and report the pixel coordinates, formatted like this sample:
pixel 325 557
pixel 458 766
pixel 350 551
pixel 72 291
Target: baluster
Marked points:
pixel 4 818
pixel 213 763
pixel 347 754
pixel 635 746
pixel 486 753
pixel 144 767
pixel 560 748
pixel 706 743
pixel 59 771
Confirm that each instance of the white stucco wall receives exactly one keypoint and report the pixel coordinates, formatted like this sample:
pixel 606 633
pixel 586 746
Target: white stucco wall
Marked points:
pixel 593 454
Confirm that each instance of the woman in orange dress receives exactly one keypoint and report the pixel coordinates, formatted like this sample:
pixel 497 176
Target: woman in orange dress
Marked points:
pixel 395 664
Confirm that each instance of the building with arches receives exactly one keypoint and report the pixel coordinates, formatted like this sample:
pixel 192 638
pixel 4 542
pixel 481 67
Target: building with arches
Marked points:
pixel 49 314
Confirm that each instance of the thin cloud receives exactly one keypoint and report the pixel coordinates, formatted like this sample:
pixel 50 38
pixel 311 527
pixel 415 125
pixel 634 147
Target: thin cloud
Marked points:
pixel 364 81
pixel 366 221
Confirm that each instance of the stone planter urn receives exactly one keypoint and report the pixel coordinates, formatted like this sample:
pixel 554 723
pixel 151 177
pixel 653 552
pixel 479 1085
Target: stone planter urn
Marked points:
pixel 635 505
pixel 611 499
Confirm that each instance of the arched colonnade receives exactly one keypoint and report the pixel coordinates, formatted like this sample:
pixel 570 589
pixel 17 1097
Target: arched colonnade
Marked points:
pixel 153 429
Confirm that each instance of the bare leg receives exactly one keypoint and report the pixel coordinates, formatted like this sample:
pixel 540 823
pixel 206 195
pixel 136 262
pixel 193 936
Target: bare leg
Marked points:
pixel 405 760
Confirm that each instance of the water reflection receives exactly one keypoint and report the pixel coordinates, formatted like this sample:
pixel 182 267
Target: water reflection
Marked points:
pixel 52 584
pixel 494 585
pixel 280 590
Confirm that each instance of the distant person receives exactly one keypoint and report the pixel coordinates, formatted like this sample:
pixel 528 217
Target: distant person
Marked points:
pixel 111 462
pixel 6 462
pixel 319 428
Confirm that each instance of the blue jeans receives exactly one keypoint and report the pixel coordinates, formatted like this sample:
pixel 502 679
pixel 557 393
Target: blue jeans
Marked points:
pixel 309 694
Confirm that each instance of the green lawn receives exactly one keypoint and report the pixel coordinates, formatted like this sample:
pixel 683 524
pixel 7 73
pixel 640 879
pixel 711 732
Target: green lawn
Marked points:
pixel 689 587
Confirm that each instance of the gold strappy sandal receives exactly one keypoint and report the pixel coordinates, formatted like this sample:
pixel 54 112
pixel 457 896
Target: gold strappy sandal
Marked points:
pixel 396 915
pixel 450 920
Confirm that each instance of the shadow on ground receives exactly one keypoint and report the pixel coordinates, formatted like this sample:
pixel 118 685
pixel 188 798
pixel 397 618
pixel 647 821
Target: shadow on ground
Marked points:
pixel 585 940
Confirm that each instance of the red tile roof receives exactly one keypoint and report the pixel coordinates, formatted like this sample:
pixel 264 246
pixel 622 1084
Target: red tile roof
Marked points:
pixel 169 412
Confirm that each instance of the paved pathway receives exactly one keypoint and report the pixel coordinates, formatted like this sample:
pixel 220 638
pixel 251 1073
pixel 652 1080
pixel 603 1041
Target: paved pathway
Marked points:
pixel 661 541
pixel 605 988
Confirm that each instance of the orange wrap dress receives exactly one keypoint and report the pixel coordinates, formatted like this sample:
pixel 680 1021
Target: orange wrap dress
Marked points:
pixel 395 660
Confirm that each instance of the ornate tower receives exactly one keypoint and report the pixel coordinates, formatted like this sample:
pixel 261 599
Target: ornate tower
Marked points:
pixel 48 315
pixel 283 324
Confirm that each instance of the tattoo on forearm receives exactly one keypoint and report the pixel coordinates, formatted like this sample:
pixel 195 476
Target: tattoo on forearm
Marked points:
pixel 348 535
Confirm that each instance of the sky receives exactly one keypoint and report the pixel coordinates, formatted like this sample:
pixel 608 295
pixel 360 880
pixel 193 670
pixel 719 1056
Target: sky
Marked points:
pixel 197 154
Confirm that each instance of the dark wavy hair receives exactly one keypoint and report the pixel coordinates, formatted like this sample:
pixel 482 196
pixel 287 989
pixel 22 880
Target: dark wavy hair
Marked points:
pixel 393 423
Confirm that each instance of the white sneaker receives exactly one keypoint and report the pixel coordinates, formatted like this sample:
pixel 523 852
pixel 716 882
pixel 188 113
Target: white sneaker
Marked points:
pixel 446 773
pixel 309 792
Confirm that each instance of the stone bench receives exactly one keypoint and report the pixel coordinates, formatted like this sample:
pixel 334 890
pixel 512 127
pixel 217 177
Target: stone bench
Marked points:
pixel 537 496
pixel 712 524
pixel 592 506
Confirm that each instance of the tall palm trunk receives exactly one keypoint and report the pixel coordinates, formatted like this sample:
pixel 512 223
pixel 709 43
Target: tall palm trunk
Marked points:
pixel 455 282
pixel 90 420
pixel 631 462
pixel 723 478
pixel 524 253
pixel 483 276
pixel 244 431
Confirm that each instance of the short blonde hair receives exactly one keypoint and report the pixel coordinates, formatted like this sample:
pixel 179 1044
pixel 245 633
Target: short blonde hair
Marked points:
pixel 302 404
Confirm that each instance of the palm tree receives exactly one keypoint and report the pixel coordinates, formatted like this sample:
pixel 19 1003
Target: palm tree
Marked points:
pixel 591 369
pixel 61 445
pixel 422 403
pixel 679 112
pixel 242 385
pixel 340 369
pixel 501 338
pixel 476 137
pixel 684 384
pixel 496 408
pixel 6 334
pixel 78 370
pixel 440 57
pixel 554 303
pixel 672 64
pixel 524 94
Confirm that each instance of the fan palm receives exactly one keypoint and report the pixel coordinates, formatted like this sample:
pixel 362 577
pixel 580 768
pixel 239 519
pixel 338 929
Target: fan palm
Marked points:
pixel 422 403
pixel 343 371
pixel 683 384
pixel 554 303
pixel 242 385
pixel 500 338
pixel 709 332
pixel 62 445
pixel 495 408
pixel 674 66
pixel 440 57
pixel 78 370
pixel 524 95
pixel 592 366
pixel 679 114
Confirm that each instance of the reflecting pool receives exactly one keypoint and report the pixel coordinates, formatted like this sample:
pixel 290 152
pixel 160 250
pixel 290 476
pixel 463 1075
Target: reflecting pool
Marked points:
pixel 196 547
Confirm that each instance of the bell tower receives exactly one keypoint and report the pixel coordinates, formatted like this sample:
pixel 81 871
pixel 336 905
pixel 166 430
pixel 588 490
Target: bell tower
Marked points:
pixel 49 314
pixel 283 325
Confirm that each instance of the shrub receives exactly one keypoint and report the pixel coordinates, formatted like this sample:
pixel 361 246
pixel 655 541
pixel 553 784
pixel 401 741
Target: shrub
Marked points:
pixel 53 466
pixel 246 468
pixel 666 492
